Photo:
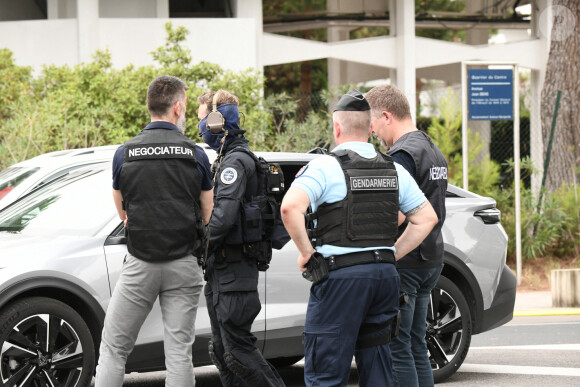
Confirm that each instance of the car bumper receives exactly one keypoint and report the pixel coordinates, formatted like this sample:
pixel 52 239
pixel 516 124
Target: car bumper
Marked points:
pixel 502 307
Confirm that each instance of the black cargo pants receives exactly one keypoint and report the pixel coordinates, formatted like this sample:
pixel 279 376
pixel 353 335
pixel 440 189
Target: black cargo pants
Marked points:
pixel 233 303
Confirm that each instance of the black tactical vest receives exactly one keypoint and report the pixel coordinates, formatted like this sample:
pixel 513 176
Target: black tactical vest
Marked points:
pixel 431 177
pixel 368 214
pixel 161 187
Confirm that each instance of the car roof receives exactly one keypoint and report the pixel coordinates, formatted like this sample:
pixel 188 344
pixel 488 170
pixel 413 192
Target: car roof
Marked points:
pixel 287 157
pixel 69 156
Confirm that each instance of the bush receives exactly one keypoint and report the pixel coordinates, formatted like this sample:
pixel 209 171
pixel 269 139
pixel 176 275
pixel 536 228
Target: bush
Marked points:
pixel 551 231
pixel 93 104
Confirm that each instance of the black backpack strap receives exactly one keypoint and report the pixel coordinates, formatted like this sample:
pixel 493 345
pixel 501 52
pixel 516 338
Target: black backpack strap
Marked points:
pixel 261 184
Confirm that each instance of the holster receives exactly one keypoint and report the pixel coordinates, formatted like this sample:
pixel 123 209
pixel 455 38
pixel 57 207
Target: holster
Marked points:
pixel 316 269
pixel 260 251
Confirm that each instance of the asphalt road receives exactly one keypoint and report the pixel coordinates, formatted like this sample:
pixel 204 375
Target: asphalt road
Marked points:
pixel 528 351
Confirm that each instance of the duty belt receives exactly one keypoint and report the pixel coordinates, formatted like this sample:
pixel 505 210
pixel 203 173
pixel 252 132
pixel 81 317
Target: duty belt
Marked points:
pixel 359 258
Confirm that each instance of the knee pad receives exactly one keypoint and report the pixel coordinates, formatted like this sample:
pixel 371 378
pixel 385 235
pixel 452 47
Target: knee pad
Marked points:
pixel 237 367
pixel 213 357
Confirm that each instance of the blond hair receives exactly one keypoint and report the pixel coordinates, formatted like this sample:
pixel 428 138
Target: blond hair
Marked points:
pixel 353 123
pixel 224 97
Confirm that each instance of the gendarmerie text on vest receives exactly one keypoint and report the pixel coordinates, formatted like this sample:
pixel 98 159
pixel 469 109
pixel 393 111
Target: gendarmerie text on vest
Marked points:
pixel 373 182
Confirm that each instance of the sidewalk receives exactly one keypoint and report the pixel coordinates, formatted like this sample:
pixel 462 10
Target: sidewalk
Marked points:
pixel 539 303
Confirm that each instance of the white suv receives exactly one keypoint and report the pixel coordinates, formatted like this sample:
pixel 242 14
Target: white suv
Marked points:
pixel 62 248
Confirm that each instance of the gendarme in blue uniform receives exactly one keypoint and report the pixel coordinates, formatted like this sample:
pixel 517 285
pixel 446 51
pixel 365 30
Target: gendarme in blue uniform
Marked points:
pixel 350 311
pixel 323 182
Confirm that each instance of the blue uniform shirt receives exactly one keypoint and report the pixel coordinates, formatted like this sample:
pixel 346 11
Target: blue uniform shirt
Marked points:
pixel 323 181
pixel 203 165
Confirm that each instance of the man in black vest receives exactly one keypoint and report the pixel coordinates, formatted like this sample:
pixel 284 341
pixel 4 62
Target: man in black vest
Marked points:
pixel 231 290
pixel 355 194
pixel 163 192
pixel 419 269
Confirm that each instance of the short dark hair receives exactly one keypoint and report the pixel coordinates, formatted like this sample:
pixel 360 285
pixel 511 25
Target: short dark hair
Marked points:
pixel 390 99
pixel 163 92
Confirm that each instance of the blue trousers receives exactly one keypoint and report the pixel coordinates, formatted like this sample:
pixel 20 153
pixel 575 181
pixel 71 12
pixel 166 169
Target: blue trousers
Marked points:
pixel 351 298
pixel 411 366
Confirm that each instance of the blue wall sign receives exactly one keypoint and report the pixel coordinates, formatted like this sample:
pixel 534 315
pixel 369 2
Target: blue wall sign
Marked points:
pixel 490 94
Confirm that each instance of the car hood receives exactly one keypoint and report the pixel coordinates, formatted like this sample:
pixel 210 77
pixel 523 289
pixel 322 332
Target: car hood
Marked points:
pixel 18 248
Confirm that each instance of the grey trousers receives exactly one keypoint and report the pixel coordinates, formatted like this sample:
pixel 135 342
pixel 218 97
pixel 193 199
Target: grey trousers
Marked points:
pixel 178 284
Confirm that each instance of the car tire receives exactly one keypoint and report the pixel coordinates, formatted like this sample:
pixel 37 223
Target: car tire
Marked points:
pixel 45 342
pixel 281 362
pixel 448 329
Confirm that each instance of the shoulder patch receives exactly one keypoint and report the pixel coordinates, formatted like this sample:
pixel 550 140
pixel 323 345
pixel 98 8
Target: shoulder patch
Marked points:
pixel 228 175
pixel 302 170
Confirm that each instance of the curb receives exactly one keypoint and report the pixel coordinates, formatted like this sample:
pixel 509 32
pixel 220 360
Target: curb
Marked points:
pixel 548 312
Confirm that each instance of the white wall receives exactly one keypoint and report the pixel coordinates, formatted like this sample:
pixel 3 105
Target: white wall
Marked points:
pixel 206 40
pixel 38 42
pixel 229 42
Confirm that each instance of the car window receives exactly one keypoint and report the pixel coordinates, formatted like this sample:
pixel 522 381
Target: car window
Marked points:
pixel 290 171
pixel 60 173
pixel 78 204
pixel 12 176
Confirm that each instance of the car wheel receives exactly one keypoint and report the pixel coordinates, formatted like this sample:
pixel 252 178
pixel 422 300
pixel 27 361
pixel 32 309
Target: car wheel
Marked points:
pixel 448 329
pixel 281 362
pixel 44 342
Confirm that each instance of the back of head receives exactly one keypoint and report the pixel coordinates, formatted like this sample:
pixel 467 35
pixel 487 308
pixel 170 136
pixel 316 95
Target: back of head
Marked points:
pixel 223 98
pixel 222 118
pixel 391 99
pixel 352 113
pixel 353 123
pixel 163 92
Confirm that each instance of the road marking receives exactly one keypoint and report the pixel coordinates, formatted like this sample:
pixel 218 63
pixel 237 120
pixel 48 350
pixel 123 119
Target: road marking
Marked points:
pixel 543 347
pixel 542 323
pixel 547 312
pixel 518 370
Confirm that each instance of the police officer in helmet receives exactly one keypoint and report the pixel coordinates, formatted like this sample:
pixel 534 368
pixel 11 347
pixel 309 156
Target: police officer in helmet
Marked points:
pixel 232 272
pixel 163 192
pixel 354 194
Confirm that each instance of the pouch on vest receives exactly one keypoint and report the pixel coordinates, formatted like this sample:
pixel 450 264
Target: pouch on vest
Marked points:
pixel 253 225
pixel 236 234
pixel 262 252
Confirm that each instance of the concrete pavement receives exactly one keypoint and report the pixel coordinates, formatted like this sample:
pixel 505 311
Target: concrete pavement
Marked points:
pixel 539 303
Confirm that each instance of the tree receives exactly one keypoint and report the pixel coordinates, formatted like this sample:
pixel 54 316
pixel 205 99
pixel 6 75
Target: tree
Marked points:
pixel 562 75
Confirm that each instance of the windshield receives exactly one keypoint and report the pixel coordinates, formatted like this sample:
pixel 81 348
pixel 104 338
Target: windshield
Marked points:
pixel 12 176
pixel 79 204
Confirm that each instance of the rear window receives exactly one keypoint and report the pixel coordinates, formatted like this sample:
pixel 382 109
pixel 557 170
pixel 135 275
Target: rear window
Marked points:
pixel 11 177
pixel 78 204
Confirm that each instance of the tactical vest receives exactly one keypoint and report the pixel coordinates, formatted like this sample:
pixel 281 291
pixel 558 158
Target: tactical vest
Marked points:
pixel 161 187
pixel 431 176
pixel 368 215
